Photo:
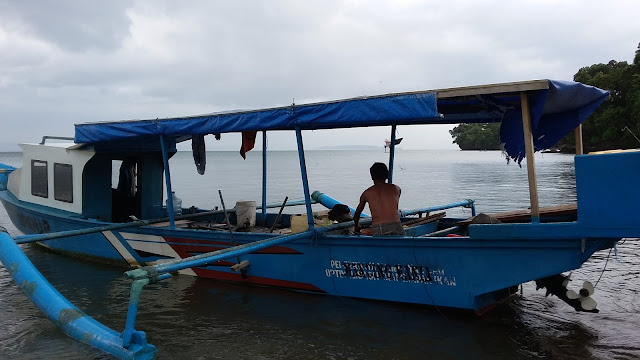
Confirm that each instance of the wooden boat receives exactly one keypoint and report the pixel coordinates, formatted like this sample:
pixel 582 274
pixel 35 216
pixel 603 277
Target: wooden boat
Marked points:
pixel 63 198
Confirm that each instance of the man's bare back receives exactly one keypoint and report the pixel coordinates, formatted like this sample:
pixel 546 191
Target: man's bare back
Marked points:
pixel 383 202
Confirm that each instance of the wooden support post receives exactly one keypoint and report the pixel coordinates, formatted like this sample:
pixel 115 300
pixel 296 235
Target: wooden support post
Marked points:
pixel 531 170
pixel 578 135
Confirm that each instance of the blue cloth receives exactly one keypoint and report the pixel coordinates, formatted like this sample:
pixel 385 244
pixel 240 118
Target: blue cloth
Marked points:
pixel 554 113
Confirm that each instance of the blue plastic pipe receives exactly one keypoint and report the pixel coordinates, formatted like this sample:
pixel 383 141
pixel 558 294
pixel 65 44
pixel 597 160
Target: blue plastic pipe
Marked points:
pixel 329 202
pixel 65 315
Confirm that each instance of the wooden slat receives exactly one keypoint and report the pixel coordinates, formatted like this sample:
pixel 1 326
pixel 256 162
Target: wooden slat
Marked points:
pixel 531 165
pixel 511 216
pixel 424 220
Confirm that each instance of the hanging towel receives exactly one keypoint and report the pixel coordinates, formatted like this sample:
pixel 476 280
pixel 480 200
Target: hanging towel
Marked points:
pixel 199 152
pixel 248 142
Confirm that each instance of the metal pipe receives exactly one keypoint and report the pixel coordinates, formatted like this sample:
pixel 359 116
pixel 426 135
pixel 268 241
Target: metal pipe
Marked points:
pixel 264 175
pixel 275 222
pixel 23 239
pixel 467 203
pixel 392 152
pixel 305 181
pixel 289 203
pixel 167 179
pixel 57 235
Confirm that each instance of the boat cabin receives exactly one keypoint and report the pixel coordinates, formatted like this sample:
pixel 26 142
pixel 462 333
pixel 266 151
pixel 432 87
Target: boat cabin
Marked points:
pixel 105 186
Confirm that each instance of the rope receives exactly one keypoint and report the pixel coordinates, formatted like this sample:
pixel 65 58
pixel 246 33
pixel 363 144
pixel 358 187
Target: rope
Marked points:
pixel 603 269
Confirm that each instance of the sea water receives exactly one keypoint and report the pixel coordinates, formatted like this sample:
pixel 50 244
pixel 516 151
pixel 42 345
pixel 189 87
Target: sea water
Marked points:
pixel 189 318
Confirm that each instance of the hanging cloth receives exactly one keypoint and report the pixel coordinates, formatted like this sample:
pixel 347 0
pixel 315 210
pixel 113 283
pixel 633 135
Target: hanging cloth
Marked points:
pixel 127 179
pixel 248 142
pixel 199 152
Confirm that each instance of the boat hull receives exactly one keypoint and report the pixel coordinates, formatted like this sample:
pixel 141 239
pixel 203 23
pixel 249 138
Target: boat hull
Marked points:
pixel 458 272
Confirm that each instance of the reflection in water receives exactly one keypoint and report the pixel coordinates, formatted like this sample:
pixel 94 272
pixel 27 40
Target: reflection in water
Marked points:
pixel 194 318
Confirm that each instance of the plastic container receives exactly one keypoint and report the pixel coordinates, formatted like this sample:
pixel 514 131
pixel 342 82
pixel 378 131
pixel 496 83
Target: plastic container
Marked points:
pixel 246 214
pixel 177 204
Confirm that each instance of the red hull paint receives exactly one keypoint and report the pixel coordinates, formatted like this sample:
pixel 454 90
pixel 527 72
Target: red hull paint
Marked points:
pixel 251 279
pixel 272 250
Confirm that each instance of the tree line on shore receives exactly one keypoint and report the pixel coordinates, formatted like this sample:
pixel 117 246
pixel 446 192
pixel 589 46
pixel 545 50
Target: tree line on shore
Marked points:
pixel 614 125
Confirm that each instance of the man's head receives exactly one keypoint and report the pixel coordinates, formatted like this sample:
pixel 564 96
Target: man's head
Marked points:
pixel 379 171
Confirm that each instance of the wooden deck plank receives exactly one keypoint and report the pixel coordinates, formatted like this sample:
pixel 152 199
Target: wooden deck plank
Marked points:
pixel 515 215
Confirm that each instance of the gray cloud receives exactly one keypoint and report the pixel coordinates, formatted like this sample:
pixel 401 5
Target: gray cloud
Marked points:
pixel 75 62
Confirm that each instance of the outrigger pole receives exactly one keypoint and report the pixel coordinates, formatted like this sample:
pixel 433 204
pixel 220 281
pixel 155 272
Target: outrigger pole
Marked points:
pixel 64 314
pixel 531 166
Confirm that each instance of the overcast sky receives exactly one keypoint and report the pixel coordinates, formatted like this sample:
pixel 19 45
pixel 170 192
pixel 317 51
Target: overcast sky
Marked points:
pixel 67 62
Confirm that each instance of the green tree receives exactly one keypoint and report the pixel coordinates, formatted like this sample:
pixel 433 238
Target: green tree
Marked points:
pixel 482 136
pixel 606 128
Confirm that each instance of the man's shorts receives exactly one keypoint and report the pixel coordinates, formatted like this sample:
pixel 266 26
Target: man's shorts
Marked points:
pixel 394 228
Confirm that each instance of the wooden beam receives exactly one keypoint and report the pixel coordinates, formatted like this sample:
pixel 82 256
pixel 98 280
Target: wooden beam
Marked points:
pixel 513 87
pixel 531 165
pixel 578 135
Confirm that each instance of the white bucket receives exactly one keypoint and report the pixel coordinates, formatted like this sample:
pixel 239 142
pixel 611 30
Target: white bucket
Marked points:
pixel 246 214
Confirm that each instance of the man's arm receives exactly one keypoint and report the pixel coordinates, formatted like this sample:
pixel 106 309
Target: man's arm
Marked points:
pixel 356 216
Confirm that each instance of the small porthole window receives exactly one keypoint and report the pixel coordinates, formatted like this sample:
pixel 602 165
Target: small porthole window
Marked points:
pixel 63 182
pixel 39 180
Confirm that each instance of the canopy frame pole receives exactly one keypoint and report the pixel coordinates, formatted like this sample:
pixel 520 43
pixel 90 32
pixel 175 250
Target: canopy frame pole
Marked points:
pixel 264 176
pixel 578 136
pixel 167 179
pixel 392 151
pixel 305 180
pixel 531 170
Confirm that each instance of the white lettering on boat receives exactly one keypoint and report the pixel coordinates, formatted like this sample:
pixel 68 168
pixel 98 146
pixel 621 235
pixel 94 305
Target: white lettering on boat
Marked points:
pixel 389 272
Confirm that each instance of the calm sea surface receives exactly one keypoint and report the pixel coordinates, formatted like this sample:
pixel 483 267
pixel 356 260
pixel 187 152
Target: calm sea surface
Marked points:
pixel 188 318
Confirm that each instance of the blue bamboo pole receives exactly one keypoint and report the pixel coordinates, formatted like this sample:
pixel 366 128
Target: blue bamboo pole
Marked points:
pixel 65 315
pixel 264 176
pixel 305 181
pixel 207 258
pixel 210 257
pixel 392 152
pixel 167 179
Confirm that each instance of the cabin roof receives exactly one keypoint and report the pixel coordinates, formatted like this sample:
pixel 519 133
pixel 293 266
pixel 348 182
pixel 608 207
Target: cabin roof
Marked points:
pixel 557 107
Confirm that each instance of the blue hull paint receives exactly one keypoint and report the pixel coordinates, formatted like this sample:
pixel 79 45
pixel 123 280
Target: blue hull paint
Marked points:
pixel 459 272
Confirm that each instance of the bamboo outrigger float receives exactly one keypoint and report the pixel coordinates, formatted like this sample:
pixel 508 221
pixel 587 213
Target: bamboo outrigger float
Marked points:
pixel 442 261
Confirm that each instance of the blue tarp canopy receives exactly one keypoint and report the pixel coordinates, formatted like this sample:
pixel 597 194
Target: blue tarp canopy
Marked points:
pixel 414 108
pixel 556 107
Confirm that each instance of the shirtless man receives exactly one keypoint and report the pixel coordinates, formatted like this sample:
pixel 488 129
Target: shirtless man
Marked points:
pixel 383 202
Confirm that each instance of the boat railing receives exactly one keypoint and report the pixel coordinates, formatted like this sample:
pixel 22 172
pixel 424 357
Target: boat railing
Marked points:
pixel 465 204
pixel 46 137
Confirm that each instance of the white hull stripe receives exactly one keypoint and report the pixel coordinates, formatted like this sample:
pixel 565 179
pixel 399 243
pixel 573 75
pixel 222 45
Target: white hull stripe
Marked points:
pixel 122 250
pixel 155 245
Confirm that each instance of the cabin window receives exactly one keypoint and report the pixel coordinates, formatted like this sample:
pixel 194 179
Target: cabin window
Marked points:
pixel 63 182
pixel 39 180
